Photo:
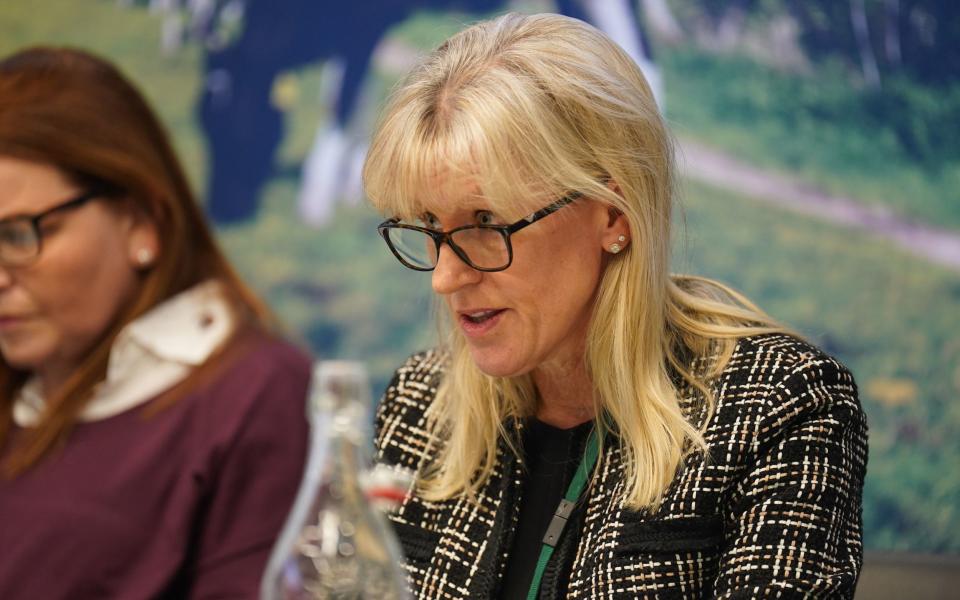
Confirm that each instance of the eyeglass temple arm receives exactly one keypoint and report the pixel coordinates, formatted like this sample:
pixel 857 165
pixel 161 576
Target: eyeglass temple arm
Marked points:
pixel 543 212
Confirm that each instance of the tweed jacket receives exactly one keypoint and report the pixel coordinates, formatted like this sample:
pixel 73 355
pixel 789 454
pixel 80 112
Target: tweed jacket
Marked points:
pixel 774 510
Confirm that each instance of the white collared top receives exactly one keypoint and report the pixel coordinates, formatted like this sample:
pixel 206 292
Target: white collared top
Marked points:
pixel 150 355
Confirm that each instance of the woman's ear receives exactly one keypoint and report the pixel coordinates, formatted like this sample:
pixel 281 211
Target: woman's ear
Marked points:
pixel 143 241
pixel 616 236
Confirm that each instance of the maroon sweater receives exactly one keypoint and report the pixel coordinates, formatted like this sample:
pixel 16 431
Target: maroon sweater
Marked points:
pixel 185 503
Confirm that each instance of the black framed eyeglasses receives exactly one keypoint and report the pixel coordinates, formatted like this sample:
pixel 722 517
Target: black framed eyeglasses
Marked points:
pixel 483 247
pixel 21 238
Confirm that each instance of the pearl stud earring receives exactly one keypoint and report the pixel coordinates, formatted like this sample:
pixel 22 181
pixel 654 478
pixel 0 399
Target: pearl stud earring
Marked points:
pixel 144 256
pixel 622 239
pixel 614 248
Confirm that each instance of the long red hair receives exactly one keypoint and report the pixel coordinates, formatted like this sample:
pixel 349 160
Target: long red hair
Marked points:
pixel 74 111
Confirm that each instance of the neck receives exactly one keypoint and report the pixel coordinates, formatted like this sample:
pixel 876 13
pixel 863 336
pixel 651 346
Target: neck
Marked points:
pixel 52 378
pixel 565 394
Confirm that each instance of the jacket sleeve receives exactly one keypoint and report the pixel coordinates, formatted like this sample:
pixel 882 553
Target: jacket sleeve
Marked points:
pixel 795 527
pixel 255 479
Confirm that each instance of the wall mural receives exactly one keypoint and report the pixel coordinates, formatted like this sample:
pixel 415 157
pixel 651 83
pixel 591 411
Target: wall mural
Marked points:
pixel 821 162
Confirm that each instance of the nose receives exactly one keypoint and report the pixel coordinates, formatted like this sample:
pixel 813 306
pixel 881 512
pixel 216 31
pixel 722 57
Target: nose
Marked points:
pixel 451 273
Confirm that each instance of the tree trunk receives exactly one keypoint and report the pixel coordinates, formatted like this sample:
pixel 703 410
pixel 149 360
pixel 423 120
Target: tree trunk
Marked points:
pixel 861 31
pixel 891 34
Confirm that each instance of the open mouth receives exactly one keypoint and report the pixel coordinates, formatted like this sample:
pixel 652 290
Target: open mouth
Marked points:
pixel 481 316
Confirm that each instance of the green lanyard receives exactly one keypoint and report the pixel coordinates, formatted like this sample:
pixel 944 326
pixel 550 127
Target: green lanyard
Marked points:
pixel 563 512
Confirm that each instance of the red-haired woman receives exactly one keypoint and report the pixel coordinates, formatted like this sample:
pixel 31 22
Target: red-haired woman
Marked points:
pixel 152 430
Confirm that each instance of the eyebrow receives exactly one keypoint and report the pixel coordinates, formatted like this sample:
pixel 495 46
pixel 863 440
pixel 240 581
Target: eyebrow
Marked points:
pixel 25 215
pixel 36 213
pixel 21 215
pixel 469 211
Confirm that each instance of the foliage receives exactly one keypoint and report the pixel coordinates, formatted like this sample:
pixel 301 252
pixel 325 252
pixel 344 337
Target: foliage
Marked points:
pixel 912 38
pixel 915 39
pixel 925 120
pixel 899 147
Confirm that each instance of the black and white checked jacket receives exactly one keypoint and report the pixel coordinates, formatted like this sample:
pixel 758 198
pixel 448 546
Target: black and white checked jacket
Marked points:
pixel 774 513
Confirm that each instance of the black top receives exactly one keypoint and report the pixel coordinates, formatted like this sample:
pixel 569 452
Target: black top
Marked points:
pixel 551 457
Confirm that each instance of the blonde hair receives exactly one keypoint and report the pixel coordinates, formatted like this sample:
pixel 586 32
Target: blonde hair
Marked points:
pixel 541 106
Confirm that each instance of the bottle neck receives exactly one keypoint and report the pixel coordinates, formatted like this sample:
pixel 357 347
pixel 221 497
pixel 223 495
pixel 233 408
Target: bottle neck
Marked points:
pixel 347 457
pixel 344 430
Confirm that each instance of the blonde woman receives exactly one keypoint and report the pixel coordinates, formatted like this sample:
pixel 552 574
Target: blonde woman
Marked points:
pixel 593 426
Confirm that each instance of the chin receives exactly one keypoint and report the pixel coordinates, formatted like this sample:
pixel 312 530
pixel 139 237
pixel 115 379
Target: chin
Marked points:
pixel 498 363
pixel 24 357
pixel 21 361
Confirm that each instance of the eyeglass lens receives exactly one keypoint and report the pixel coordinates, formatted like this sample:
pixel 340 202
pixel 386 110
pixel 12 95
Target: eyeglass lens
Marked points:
pixel 485 248
pixel 18 242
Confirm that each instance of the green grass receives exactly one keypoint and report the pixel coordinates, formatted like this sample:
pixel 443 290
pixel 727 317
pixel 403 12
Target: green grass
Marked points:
pixel 815 127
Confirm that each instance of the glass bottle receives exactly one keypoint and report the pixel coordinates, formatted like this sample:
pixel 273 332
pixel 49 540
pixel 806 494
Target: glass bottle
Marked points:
pixel 335 546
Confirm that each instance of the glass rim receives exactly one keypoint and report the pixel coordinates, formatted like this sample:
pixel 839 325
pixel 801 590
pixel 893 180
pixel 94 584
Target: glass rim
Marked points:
pixel 439 237
pixel 32 224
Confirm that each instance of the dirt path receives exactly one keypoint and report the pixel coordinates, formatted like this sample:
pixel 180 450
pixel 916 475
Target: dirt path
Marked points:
pixel 938 245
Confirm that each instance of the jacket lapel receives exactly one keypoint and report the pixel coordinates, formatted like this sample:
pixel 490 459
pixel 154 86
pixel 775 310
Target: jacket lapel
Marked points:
pixel 469 559
pixel 600 532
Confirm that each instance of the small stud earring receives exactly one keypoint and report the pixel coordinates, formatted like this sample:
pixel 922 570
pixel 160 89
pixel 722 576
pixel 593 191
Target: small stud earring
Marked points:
pixel 622 239
pixel 144 256
pixel 614 248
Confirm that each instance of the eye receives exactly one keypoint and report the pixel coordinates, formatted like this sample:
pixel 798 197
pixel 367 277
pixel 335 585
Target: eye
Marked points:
pixel 485 217
pixel 17 234
pixel 430 221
